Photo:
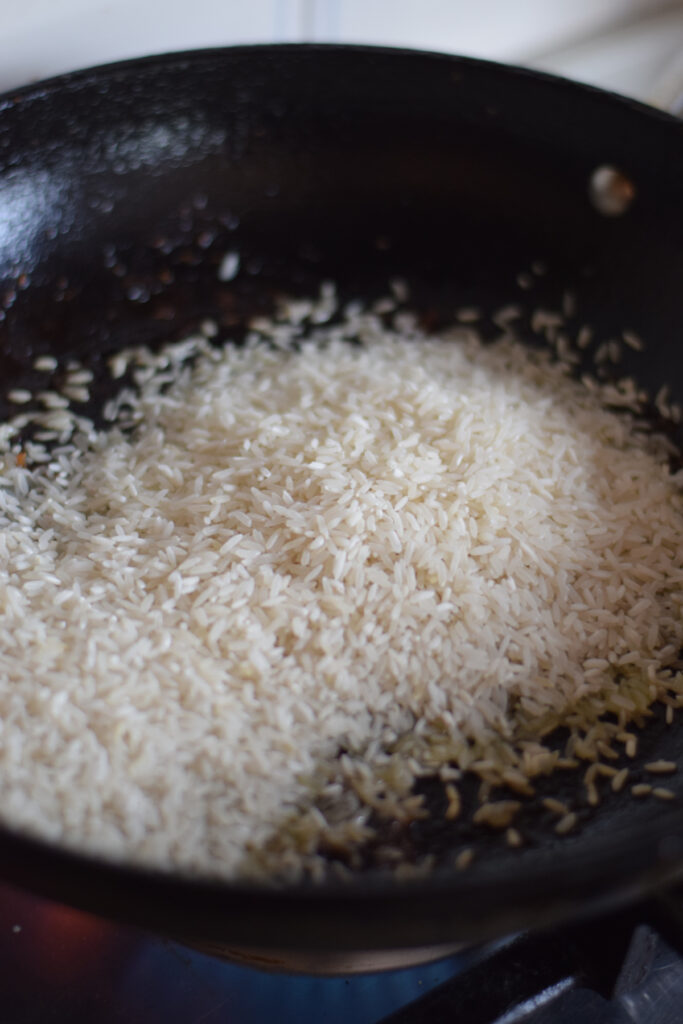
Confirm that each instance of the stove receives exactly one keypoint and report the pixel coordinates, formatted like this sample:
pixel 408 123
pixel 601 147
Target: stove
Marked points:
pixel 61 966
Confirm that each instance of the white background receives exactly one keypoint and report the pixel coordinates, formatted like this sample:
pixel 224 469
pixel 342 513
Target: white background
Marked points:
pixel 632 46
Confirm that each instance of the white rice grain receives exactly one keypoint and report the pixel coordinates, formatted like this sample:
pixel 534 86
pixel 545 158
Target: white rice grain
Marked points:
pixel 299 551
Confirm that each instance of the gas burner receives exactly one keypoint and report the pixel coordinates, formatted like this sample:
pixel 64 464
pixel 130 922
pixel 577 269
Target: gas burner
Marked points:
pixel 327 963
pixel 60 966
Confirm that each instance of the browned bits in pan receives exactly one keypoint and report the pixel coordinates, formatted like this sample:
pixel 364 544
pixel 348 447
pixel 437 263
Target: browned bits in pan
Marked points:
pixel 484 791
pixel 630 743
pixel 593 796
pixel 464 859
pixel 497 814
pixel 555 806
pixel 514 838
pixel 454 802
pixel 408 872
pixel 566 824
pixel 517 782
pixel 585 751
pixel 661 767
pixel 632 340
pixel 537 760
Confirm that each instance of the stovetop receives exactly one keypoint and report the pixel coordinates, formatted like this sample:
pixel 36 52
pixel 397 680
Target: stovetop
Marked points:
pixel 60 966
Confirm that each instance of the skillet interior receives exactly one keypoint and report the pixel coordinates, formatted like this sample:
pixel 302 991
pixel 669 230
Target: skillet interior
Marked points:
pixel 355 165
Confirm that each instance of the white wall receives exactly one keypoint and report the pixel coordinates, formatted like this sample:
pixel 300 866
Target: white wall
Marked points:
pixel 39 38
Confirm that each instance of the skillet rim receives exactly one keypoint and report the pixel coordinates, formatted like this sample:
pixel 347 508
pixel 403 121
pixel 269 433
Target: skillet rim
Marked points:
pixel 655 857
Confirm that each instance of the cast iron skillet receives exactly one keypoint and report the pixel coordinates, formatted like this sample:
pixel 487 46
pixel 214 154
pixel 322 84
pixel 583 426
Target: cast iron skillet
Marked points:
pixel 120 190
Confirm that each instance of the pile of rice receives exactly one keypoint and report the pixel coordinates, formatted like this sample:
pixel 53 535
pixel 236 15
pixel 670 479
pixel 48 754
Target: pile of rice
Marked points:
pixel 299 549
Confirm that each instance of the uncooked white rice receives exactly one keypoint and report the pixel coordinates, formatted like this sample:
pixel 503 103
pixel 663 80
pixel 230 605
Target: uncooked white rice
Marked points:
pixel 300 551
pixel 45 364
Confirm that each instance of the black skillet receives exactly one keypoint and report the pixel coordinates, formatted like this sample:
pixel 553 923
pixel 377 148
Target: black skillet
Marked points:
pixel 120 190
